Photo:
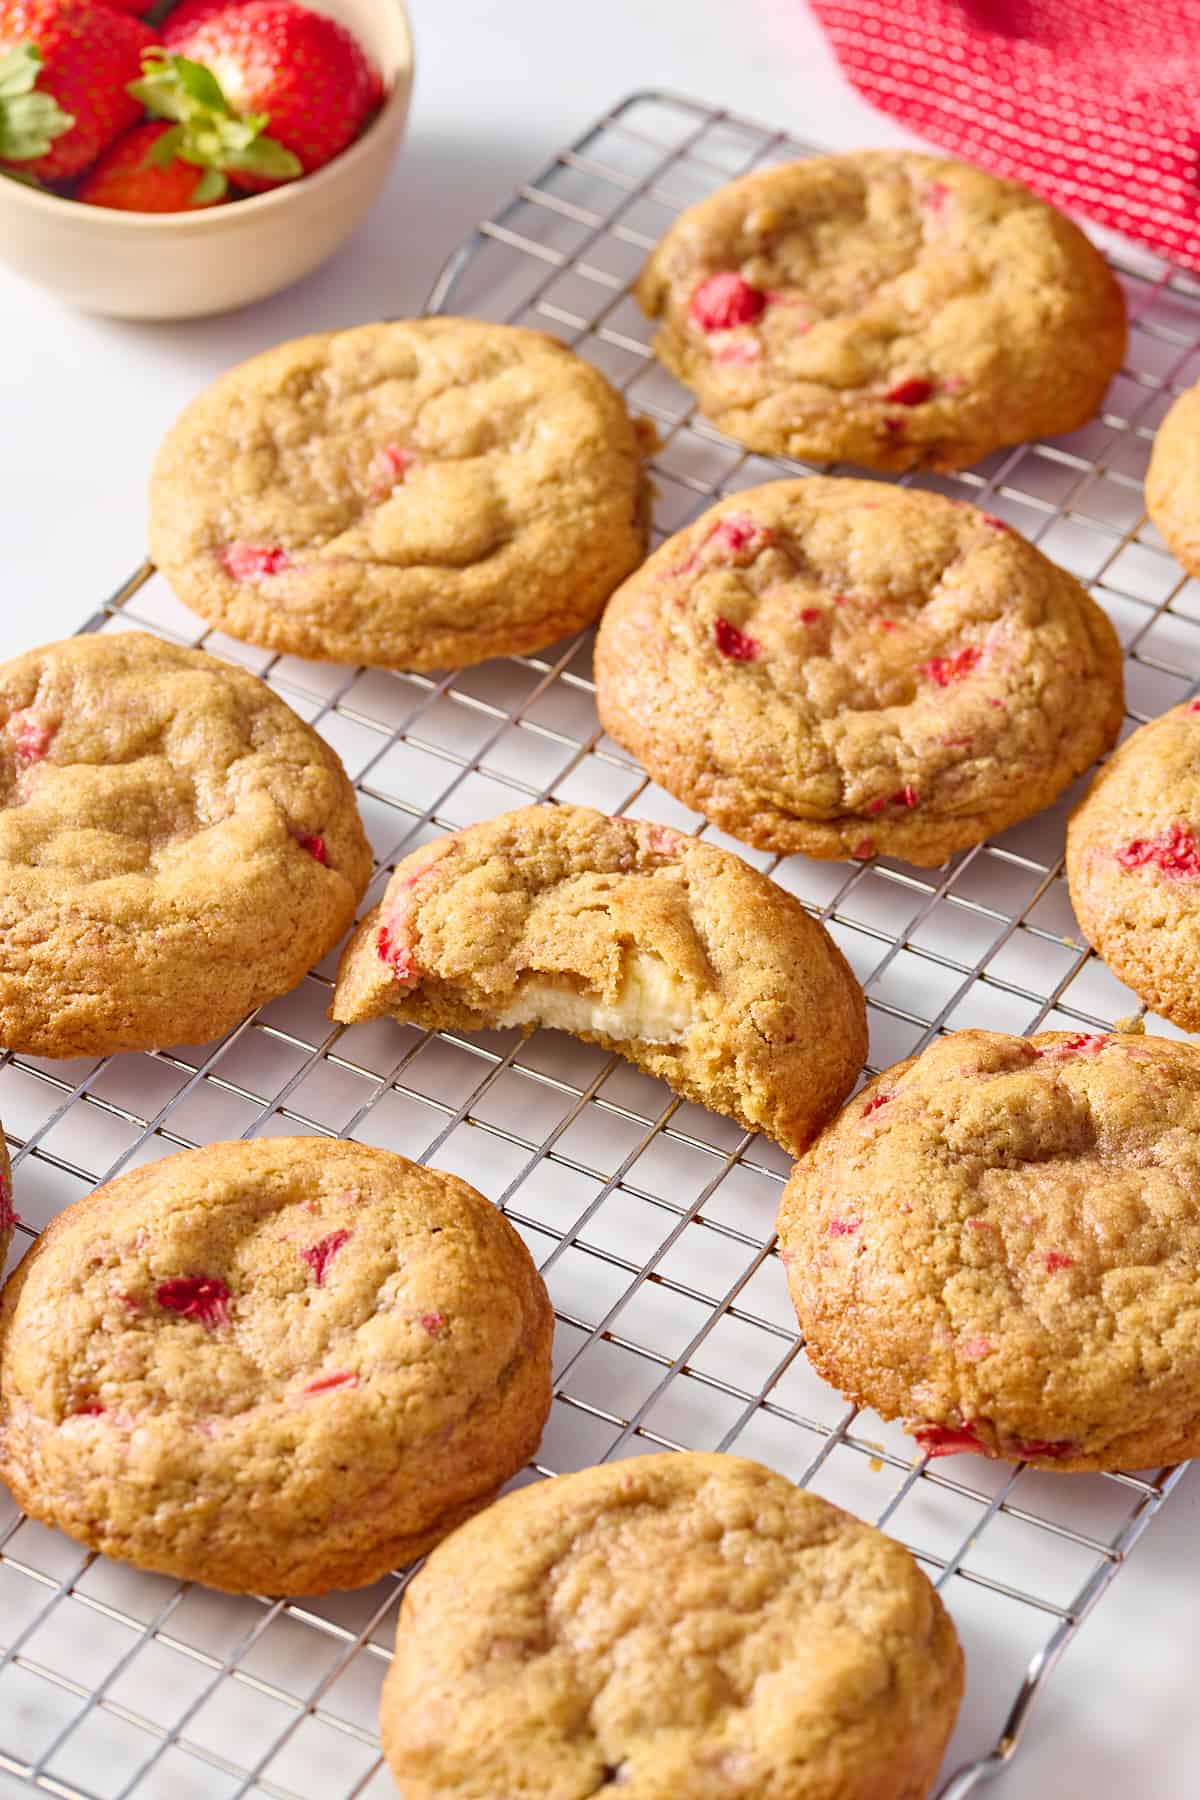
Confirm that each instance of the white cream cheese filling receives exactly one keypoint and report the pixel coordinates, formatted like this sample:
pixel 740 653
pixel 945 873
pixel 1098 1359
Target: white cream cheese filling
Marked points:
pixel 653 1005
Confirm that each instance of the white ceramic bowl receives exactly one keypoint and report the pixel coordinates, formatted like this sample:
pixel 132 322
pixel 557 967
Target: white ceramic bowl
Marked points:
pixel 183 265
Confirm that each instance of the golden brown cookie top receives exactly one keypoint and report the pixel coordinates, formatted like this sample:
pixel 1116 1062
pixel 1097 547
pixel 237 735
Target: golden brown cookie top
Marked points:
pixel 846 668
pixel 1173 479
pixel 1133 863
pixel 418 493
pixel 628 933
pixel 274 1327
pixel 999 1240
pixel 167 825
pixel 669 1625
pixel 885 307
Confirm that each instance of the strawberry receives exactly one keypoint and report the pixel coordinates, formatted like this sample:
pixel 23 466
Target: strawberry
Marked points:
pixel 184 18
pixel 134 176
pixel 88 53
pixel 206 131
pixel 299 70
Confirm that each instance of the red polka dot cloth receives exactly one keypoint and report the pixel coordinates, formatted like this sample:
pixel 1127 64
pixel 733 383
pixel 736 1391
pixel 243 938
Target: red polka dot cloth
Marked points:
pixel 1093 103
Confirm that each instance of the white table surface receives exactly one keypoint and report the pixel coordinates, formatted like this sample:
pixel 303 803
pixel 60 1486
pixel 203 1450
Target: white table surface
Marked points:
pixel 500 85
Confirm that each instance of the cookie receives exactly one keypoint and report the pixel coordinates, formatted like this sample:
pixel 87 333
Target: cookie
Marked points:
pixel 1133 864
pixel 895 310
pixel 274 1367
pixel 667 1626
pixel 1173 480
pixel 675 954
pixel 999 1242
pixel 418 494
pixel 176 846
pixel 848 669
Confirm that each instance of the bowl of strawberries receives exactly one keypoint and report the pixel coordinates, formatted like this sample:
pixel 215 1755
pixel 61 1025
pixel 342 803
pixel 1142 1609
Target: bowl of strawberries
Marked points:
pixel 198 157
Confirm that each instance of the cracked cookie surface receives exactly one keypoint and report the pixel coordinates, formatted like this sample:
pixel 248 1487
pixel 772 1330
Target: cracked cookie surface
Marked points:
pixel 669 1625
pixel 282 1366
pixel 417 494
pixel 886 308
pixel 845 668
pixel 176 846
pixel 998 1242
pixel 1133 864
pixel 696 967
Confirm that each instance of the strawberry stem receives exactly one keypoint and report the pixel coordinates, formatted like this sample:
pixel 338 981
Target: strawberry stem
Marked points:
pixel 29 120
pixel 207 131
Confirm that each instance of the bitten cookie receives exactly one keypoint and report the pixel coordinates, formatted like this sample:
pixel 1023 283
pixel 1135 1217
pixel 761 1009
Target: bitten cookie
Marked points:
pixel 418 494
pixel 999 1242
pixel 668 1626
pixel 1173 480
pixel 176 846
pixel 844 668
pixel 1133 864
pixel 672 952
pixel 275 1367
pixel 895 310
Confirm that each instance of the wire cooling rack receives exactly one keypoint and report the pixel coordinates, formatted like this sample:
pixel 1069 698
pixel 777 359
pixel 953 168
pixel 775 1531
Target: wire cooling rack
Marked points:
pixel 652 1220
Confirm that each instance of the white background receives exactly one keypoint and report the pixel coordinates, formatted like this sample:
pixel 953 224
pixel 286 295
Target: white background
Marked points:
pixel 500 85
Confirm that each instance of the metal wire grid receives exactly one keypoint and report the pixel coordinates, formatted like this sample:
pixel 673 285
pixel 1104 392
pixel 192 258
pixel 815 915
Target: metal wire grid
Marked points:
pixel 651 1220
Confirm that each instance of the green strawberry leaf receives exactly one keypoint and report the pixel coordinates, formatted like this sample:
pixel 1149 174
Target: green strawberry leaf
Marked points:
pixel 212 185
pixel 208 132
pixel 29 121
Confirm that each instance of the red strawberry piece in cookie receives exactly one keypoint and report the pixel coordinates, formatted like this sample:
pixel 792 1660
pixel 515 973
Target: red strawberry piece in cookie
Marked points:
pixel 724 301
pixel 65 68
pixel 913 392
pixel 318 1256
pixel 735 644
pixel 204 1298
pixel 32 733
pixel 252 562
pixel 1174 852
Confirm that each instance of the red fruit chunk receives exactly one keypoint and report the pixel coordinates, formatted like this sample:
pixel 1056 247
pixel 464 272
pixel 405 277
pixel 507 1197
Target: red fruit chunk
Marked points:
pixel 324 1383
pixel 92 1410
pixel 944 1440
pixel 739 353
pixel 433 1322
pixel 875 1102
pixel 934 197
pixel 945 669
pixel 250 562
pixel 1195 706
pixel 734 643
pixel 995 523
pixel 975 1347
pixel 199 1297
pixel 1174 852
pixel 389 466
pixel 31 735
pixel 318 1256
pixel 1080 1043
pixel 906 797
pixel 810 615
pixel 864 849
pixel 1051 1450
pixel 393 948
pixel 316 848
pixel 88 55
pixel 303 69
pixel 725 300
pixel 1055 1260
pixel 877 806
pixel 740 532
pixel 843 1227
pixel 909 393
pixel 125 181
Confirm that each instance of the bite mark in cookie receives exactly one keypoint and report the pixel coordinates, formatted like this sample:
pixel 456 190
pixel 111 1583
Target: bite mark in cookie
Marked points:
pixel 678 955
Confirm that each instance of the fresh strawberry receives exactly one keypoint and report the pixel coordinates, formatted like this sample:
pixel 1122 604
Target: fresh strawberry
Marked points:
pixel 300 70
pixel 184 18
pixel 89 53
pixel 206 131
pixel 132 176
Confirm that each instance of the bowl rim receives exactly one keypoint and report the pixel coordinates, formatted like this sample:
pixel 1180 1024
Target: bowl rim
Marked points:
pixel 217 218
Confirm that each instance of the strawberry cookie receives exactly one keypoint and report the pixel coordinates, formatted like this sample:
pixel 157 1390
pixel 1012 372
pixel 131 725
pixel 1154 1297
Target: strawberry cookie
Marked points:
pixel 999 1242
pixel 419 495
pixel 845 668
pixel 176 846
pixel 681 1625
pixel 1133 864
pixel 671 952
pixel 1173 480
pixel 273 1367
pixel 895 310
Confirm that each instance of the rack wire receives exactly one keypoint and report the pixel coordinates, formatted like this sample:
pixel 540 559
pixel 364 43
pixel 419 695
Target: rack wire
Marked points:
pixel 651 1220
